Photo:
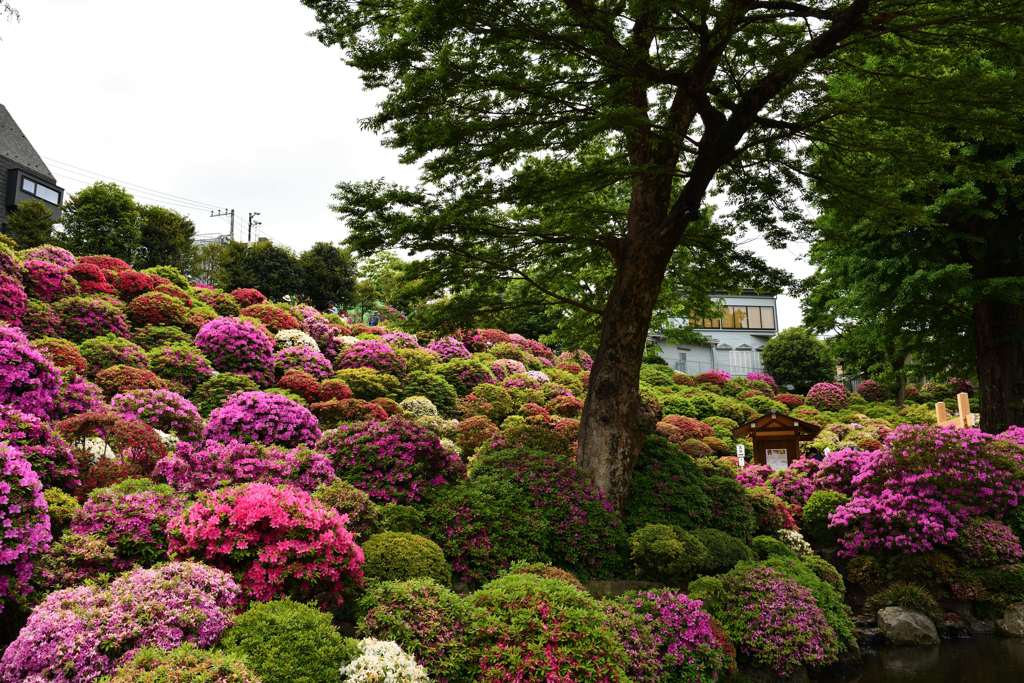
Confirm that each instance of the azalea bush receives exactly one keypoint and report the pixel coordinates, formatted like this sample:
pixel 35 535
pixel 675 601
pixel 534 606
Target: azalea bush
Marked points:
pixel 185 663
pixel 46 451
pixel 381 660
pixel 373 354
pixel 28 382
pixel 301 357
pixel 193 467
pixel 827 396
pixel 13 299
pixel 161 409
pixel 103 352
pixel 274 317
pixel 82 317
pixel 24 520
pixel 182 363
pixel 45 280
pixel 79 634
pixel 276 541
pixel 214 391
pixel 238 345
pixel 263 418
pixel 110 448
pixel 393 461
pixel 157 308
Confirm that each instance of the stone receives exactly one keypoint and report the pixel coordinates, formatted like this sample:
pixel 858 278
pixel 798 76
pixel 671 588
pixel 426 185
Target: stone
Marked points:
pixel 906 627
pixel 1012 622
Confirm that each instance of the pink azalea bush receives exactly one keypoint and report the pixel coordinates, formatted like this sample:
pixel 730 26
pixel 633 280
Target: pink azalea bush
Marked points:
pixel 46 451
pixel 924 485
pixel 82 317
pixel 79 634
pixel 161 409
pixel 796 483
pixel 239 346
pixel 28 380
pixel 717 377
pixel 987 542
pixel 827 396
pixel 871 390
pixel 371 353
pixel 24 520
pixel 48 252
pixel 448 348
pixel 193 468
pixel 763 377
pixel 269 419
pixel 76 395
pixel 276 540
pixel 13 299
pixel 394 461
pixel 44 280
pixel 302 358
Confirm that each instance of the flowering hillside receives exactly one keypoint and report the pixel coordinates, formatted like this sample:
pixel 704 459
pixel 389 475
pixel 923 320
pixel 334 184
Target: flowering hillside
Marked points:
pixel 210 480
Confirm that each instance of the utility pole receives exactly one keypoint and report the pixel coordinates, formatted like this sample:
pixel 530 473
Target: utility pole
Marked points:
pixel 226 212
pixel 253 223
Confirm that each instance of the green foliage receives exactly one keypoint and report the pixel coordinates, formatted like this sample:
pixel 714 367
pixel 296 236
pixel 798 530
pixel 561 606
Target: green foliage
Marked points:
pixel 724 551
pixel 769 546
pixel 729 504
pixel 328 275
pixel 288 642
pixel 152 336
pixel 397 556
pixel 657 375
pixel 396 517
pixel 364 515
pixel 814 523
pixel 796 357
pixel 368 384
pixel 62 509
pixel 666 553
pixel 183 663
pixel 171 272
pixel 167 238
pixel 907 595
pixel 31 224
pixel 261 265
pixel 103 219
pixel 435 387
pixel 214 392
pixel 666 489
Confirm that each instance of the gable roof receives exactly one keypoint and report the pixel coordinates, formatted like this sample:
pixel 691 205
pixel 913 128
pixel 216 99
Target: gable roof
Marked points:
pixel 16 147
pixel 772 421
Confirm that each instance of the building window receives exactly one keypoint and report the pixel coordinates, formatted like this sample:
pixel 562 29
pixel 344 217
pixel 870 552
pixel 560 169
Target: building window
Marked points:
pixel 740 318
pixel 28 186
pixel 47 194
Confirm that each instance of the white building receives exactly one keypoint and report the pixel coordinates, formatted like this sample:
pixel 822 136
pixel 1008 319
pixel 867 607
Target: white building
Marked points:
pixel 734 341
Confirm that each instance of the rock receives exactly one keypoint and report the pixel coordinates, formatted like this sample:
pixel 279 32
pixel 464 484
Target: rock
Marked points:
pixel 982 627
pixel 870 637
pixel 1012 623
pixel 907 627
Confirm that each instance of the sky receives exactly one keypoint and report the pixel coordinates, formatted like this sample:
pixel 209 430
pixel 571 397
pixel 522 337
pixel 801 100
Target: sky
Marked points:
pixel 203 106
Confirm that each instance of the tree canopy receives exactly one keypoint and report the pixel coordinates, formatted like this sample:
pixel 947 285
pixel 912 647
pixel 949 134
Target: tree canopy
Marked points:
pixel 328 275
pixel 263 265
pixel 103 218
pixel 31 224
pixel 795 357
pixel 166 236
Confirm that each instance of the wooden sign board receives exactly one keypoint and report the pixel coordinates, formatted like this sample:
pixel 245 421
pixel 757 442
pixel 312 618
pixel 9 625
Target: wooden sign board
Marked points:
pixel 777 438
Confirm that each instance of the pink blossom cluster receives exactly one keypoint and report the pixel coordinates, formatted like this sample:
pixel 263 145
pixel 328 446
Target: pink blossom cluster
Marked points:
pixel 161 409
pixel 302 358
pixel 276 540
pixel 82 317
pixel 394 461
pixel 448 348
pixel 1014 434
pixel 46 451
pixel 45 280
pixel 871 390
pixel 77 395
pixel 827 396
pixel 196 468
pixel 924 485
pixel 269 419
pixel 134 523
pixel 763 377
pixel 716 376
pixel 48 252
pixel 754 475
pixel 796 483
pixel 371 353
pixel 401 340
pixel 28 380
pixel 24 520
pixel 13 300
pixel 239 346
pixel 987 542
pixel 80 634
pixel 503 367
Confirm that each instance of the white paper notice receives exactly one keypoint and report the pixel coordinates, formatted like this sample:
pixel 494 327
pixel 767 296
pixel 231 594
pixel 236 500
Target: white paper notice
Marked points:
pixel 777 458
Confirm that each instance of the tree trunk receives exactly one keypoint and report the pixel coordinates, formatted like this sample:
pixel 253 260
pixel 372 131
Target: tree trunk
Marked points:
pixel 610 434
pixel 999 347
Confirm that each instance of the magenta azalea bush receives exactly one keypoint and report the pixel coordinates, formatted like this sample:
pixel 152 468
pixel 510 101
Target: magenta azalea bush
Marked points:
pixel 871 390
pixel 371 353
pixel 161 409
pixel 134 523
pixel 44 280
pixel 23 520
pixel 924 485
pixel 987 542
pixel 394 461
pixel 238 345
pixel 13 299
pixel 80 634
pixel 276 540
pixel 448 348
pixel 46 451
pixel 82 317
pixel 269 419
pixel 200 468
pixel 302 358
pixel 28 380
pixel 827 396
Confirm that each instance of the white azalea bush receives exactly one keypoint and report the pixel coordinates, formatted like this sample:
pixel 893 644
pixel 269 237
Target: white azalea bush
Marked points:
pixel 288 338
pixel 794 540
pixel 383 661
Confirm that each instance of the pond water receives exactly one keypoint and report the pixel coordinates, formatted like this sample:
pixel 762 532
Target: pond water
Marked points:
pixel 977 660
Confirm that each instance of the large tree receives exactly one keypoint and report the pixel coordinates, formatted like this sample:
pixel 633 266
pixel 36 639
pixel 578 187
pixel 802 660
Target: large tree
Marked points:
pixel 103 218
pixel 166 236
pixel 31 224
pixel 328 275
pixel 272 269
pixel 920 248
pixel 666 99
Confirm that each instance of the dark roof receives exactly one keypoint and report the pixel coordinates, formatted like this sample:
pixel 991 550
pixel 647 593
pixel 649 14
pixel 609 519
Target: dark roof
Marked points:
pixel 16 147
pixel 772 421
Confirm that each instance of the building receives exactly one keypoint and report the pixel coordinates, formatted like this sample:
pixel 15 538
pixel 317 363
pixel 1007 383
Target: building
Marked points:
pixel 734 340
pixel 23 174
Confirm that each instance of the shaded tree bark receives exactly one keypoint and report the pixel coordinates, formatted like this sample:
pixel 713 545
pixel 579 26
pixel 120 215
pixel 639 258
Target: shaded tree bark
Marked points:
pixel 999 338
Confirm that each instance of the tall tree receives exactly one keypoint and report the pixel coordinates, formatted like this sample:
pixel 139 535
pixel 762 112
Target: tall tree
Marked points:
pixel 31 224
pixel 328 275
pixel 166 236
pixel 264 265
pixel 103 218
pixel 922 235
pixel 669 99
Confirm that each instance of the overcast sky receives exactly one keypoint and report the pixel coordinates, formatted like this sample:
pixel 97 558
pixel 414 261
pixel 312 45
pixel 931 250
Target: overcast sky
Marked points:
pixel 202 104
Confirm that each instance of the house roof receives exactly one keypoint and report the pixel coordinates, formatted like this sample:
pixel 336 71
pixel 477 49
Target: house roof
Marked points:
pixel 775 421
pixel 16 147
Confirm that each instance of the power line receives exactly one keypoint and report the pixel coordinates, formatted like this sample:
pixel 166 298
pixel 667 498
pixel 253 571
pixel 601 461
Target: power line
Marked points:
pixel 84 181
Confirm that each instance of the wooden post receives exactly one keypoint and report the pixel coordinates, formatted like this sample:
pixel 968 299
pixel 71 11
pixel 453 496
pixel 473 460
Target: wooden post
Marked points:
pixel 941 416
pixel 963 407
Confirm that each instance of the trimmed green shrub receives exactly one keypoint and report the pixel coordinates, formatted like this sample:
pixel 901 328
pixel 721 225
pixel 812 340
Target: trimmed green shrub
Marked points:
pixel 666 553
pixel 363 513
pixel 368 384
pixel 397 556
pixel 397 517
pixel 768 546
pixel 724 551
pixel 818 507
pixel 183 663
pixel 729 505
pixel 214 392
pixel 906 595
pixel 62 509
pixel 666 489
pixel 434 387
pixel 288 642
pixel 544 570
pixel 657 375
